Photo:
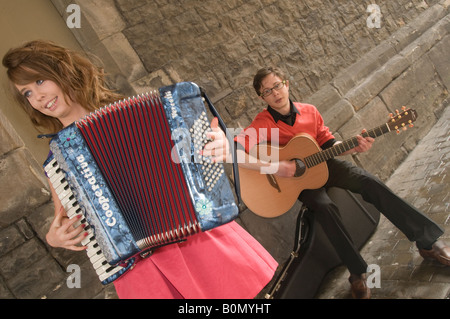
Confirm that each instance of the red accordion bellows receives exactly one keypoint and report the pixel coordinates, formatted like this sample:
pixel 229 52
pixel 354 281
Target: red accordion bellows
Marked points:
pixel 132 147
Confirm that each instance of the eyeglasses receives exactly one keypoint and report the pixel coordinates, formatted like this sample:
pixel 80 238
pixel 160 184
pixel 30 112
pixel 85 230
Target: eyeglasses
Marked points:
pixel 278 86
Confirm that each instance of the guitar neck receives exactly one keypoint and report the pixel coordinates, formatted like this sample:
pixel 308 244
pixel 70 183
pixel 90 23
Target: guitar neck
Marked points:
pixel 343 147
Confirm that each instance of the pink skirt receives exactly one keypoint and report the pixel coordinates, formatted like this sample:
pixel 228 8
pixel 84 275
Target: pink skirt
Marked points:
pixel 223 263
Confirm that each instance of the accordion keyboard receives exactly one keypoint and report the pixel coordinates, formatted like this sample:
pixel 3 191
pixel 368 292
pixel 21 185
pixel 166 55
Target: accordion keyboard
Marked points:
pixel 68 201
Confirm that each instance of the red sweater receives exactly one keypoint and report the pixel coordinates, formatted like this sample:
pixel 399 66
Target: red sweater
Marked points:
pixel 307 121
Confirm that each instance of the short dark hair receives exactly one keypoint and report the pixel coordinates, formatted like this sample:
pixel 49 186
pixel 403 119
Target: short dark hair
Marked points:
pixel 262 73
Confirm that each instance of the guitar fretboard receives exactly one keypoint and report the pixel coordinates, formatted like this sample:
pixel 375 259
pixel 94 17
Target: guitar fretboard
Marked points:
pixel 343 147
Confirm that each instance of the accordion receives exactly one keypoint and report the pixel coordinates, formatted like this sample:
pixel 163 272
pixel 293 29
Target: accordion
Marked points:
pixel 134 171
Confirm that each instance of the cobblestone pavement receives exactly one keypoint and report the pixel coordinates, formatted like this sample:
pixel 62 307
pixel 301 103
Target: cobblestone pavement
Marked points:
pixel 424 181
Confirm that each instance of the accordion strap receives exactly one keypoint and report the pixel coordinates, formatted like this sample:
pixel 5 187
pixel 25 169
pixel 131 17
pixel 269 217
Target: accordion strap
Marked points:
pixel 232 143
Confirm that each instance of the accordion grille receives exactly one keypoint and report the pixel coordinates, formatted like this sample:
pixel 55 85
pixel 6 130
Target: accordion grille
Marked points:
pixel 132 146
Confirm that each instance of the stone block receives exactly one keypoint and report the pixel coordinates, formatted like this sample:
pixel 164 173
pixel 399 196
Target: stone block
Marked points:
pixel 372 115
pixel 357 72
pixel 401 91
pixel 41 218
pixel 25 229
pixel 37 280
pixel 22 257
pixel 5 293
pixel 8 136
pixel 324 99
pixel 115 50
pixel 10 238
pixel 135 12
pixel 420 24
pixel 427 19
pixel 152 81
pixel 424 43
pixel 21 176
pixel 105 20
pixel 236 103
pixel 441 60
pixel 386 153
pixel 338 114
pixel 361 94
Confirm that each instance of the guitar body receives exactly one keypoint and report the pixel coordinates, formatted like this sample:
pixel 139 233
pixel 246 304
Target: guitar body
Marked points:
pixel 266 199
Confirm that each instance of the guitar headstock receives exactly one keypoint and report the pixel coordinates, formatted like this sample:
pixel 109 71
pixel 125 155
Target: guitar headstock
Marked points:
pixel 402 120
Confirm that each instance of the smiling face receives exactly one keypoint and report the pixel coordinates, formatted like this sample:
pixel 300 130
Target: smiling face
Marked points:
pixel 278 99
pixel 47 97
pixel 50 83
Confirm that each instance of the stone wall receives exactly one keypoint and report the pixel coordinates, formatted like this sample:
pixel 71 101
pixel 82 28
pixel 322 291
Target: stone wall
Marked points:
pixel 409 68
pixel 29 268
pixel 355 75
pixel 327 48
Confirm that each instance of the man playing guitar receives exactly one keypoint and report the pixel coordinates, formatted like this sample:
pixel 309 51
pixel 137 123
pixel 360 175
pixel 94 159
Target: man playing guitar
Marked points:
pixel 288 119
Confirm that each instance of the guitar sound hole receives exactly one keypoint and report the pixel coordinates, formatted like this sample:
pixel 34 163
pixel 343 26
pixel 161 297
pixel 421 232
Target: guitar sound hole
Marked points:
pixel 300 167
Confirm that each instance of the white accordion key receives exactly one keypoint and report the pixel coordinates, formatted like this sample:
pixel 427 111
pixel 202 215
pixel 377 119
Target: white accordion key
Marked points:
pixel 51 168
pixel 109 272
pixel 57 180
pixel 92 248
pixel 68 201
pixel 63 189
pixel 99 265
pixel 98 257
pixel 57 177
pixel 72 209
pixel 65 195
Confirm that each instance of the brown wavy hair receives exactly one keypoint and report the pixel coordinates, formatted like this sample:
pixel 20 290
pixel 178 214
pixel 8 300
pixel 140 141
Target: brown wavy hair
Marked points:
pixel 262 73
pixel 74 73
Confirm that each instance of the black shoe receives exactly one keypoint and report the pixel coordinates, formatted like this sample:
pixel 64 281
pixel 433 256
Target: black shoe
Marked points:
pixel 360 290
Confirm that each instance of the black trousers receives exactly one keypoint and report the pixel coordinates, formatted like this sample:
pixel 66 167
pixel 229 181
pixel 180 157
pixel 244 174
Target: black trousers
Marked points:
pixel 413 223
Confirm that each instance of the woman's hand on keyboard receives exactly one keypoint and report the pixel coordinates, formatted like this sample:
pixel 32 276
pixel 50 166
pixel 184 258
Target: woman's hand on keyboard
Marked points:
pixel 63 234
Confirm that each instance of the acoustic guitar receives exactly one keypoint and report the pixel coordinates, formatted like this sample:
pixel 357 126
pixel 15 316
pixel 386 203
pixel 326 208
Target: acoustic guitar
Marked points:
pixel 270 196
